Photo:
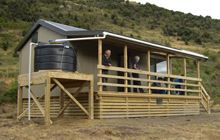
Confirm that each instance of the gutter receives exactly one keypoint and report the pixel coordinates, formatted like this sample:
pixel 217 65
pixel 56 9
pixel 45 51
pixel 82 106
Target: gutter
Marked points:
pixel 77 39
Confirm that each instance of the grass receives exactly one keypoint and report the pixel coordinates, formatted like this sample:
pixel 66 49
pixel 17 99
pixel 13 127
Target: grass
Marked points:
pixel 10 94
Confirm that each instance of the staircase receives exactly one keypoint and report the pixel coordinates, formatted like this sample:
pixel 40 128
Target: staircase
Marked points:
pixel 205 99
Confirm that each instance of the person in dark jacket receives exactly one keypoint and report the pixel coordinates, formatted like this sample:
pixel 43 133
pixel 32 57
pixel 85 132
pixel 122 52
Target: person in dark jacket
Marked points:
pixel 106 61
pixel 135 65
pixel 179 86
pixel 159 84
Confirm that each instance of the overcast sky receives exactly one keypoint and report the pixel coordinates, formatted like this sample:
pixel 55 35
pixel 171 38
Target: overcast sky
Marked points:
pixel 196 7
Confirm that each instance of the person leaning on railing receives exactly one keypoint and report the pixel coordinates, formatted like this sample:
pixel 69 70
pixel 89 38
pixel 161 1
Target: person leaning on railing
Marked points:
pixel 135 65
pixel 106 61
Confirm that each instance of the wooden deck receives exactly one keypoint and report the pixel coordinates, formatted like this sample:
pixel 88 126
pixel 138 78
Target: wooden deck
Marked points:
pixel 115 105
pixel 106 104
pixel 122 105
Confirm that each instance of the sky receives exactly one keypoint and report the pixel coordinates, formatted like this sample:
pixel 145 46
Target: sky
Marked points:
pixel 196 7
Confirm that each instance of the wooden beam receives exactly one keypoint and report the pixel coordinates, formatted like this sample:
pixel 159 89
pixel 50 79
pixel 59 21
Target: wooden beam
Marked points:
pixel 64 108
pixel 185 74
pixel 126 66
pixel 53 87
pixel 171 65
pixel 184 67
pixel 146 80
pixel 61 100
pixel 149 70
pixel 37 103
pixel 40 107
pixel 39 98
pixel 25 111
pixel 112 68
pixel 142 95
pixel 91 100
pixel 71 96
pixel 47 101
pixel 198 76
pixel 19 100
pixel 145 87
pixel 100 88
pixel 76 93
pixel 168 72
pixel 198 69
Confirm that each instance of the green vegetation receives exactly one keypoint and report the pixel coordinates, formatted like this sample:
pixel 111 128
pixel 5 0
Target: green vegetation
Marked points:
pixel 146 22
pixel 10 94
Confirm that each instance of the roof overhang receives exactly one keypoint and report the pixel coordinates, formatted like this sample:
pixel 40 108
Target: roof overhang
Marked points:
pixel 181 52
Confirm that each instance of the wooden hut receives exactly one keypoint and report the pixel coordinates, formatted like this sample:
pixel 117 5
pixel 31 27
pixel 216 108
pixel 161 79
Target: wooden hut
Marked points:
pixel 81 94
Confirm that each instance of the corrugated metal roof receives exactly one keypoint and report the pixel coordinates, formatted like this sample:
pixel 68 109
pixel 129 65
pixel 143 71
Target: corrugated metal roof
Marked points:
pixel 64 27
pixel 56 27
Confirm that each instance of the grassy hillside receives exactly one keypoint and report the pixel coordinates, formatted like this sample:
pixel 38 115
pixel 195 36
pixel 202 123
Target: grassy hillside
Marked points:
pixel 146 22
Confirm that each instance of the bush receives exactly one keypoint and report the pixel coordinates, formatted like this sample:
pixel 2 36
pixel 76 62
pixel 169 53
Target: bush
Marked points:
pixel 5 45
pixel 3 87
pixel 10 95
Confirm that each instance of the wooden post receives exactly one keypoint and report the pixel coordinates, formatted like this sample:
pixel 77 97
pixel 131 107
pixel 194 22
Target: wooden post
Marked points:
pixel 47 101
pixel 19 100
pixel 198 76
pixel 126 66
pixel 168 72
pixel 91 100
pixel 184 72
pixel 148 69
pixel 61 100
pixel 100 63
pixel 198 69
pixel 171 66
pixel 100 87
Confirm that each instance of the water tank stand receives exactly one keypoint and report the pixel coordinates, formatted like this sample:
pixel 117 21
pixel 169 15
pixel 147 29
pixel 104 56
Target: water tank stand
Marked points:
pixel 52 79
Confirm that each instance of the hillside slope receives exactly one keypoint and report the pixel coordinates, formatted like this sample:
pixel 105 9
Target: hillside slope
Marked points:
pixel 146 22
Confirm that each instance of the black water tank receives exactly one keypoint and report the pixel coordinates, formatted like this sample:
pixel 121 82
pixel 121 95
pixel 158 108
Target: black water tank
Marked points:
pixel 54 57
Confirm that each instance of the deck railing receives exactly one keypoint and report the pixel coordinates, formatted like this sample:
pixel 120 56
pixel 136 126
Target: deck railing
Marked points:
pixel 205 101
pixel 189 86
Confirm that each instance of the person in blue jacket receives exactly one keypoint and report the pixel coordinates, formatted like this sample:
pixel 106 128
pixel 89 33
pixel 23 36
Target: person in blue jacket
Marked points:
pixel 179 86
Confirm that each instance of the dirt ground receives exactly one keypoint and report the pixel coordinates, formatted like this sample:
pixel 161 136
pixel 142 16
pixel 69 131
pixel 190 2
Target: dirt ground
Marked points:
pixel 201 127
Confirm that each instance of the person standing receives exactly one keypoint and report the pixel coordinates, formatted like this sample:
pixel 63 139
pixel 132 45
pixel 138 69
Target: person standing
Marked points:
pixel 179 86
pixel 106 61
pixel 135 65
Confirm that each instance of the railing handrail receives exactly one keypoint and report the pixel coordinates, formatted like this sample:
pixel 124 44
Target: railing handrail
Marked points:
pixel 205 92
pixel 146 87
pixel 113 68
pixel 115 94
pixel 205 99
pixel 146 80
pixel 195 82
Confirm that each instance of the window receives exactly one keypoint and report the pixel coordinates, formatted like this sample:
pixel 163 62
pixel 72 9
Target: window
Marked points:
pixel 162 67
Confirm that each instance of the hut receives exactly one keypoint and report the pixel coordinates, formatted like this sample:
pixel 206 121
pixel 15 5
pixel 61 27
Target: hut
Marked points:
pixel 157 90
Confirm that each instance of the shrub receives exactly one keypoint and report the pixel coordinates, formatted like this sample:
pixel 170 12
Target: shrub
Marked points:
pixel 5 45
pixel 10 95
